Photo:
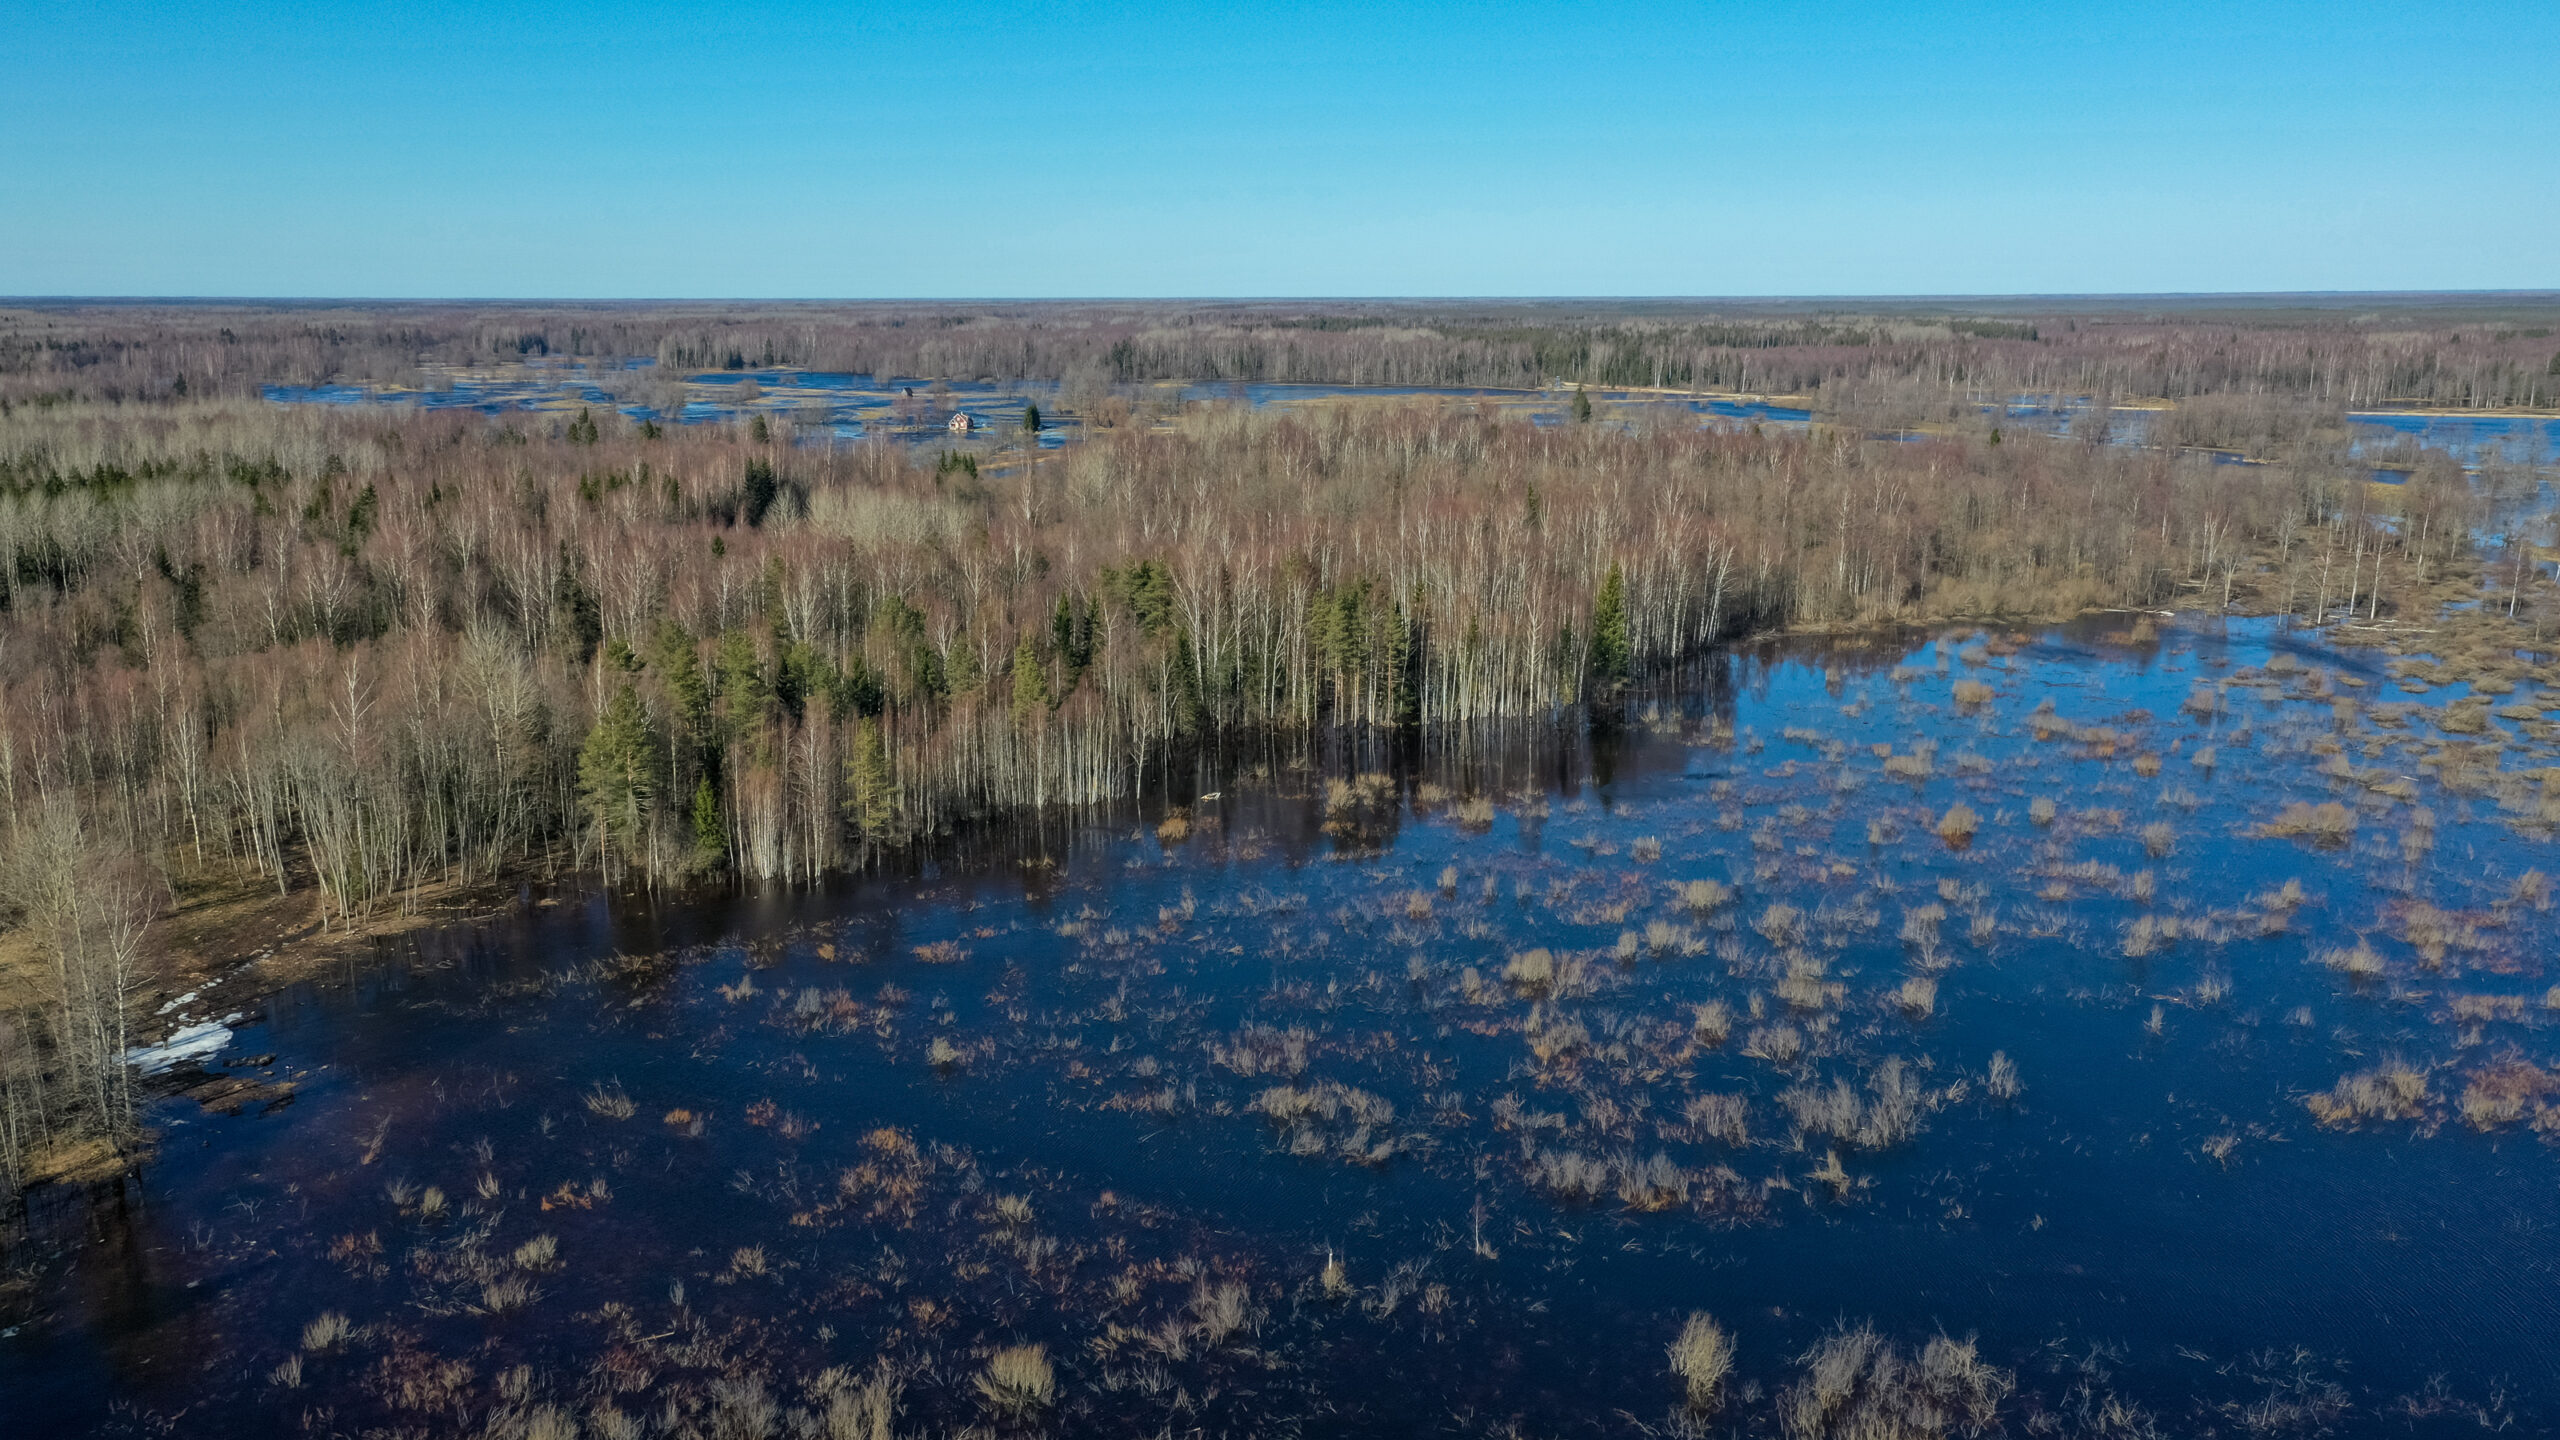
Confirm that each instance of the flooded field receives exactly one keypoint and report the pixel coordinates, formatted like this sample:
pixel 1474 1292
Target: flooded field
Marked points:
pixel 2135 1027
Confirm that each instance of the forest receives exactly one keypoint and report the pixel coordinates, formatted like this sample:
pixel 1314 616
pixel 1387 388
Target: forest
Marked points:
pixel 361 655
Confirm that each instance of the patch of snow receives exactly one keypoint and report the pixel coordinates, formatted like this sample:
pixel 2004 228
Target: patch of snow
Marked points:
pixel 189 1042
pixel 174 1004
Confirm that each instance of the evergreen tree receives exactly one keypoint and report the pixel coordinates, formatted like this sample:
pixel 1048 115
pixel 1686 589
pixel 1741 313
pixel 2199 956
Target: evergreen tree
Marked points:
pixel 1030 688
pixel 1030 419
pixel 710 836
pixel 618 771
pixel 1612 654
pixel 1581 406
pixel 873 802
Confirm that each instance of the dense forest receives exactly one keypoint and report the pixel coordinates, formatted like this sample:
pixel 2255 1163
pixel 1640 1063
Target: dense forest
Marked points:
pixel 367 654
pixel 2478 351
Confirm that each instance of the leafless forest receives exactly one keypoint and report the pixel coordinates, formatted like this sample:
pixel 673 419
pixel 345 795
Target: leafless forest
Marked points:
pixel 360 655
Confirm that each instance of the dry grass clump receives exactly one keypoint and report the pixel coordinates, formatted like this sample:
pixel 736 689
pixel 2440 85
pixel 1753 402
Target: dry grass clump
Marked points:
pixel 2358 962
pixel 1780 924
pixel 1704 895
pixel 1554 1040
pixel 1645 848
pixel 608 1101
pixel 1019 1380
pixel 2001 1080
pixel 2433 933
pixel 1569 1174
pixel 1332 1117
pixel 1662 937
pixel 1858 1384
pixel 1804 987
pixel 941 952
pixel 941 1054
pixel 1780 1045
pixel 1918 996
pixel 1173 829
pixel 2040 810
pixel 2392 1090
pixel 1956 827
pixel 542 1252
pixel 1896 1108
pixel 1531 972
pixel 1919 765
pixel 1970 692
pixel 1475 813
pixel 1702 1357
pixel 1725 1118
pixel 2327 823
pixel 1653 1183
pixel 2499 1094
pixel 1264 1050
pixel 328 1332
pixel 1712 1022
pixel 508 1292
pixel 2159 838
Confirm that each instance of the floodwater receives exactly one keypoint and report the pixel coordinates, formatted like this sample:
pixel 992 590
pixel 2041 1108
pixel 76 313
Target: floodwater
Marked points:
pixel 1127 1084
pixel 850 406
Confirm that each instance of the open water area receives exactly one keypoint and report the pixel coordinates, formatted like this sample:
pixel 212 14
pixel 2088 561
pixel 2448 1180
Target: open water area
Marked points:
pixel 2161 1004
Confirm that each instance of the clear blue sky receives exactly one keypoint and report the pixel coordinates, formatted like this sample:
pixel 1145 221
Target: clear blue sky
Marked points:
pixel 542 148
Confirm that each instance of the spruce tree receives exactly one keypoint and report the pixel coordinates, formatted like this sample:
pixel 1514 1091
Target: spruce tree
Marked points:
pixel 710 836
pixel 874 799
pixel 1030 688
pixel 618 771
pixel 1612 654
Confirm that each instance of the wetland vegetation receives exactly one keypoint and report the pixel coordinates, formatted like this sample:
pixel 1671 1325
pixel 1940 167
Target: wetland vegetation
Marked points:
pixel 1417 914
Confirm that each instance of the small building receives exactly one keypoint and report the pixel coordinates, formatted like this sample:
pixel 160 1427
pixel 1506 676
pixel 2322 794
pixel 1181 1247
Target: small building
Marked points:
pixel 961 424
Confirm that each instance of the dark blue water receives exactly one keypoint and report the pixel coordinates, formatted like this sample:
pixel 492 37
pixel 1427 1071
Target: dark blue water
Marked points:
pixel 2155 1218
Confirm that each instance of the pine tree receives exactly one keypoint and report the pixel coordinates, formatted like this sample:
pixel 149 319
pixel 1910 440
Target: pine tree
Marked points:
pixel 1612 654
pixel 617 773
pixel 1030 419
pixel 1581 405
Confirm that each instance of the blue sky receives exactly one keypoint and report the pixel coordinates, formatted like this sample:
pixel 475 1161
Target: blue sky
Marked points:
pixel 785 149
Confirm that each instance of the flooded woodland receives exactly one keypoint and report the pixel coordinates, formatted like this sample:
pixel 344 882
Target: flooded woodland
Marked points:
pixel 1666 966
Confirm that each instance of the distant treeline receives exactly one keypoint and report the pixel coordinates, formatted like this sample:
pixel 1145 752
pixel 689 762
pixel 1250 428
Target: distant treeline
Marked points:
pixel 367 652
pixel 2479 354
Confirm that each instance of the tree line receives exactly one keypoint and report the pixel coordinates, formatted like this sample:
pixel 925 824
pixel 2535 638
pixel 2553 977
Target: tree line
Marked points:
pixel 2479 351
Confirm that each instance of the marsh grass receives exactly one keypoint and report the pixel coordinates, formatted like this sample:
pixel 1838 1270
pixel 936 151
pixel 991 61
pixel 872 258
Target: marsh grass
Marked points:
pixel 1958 825
pixel 2392 1090
pixel 1855 1383
pixel 1701 1358
pixel 2327 823
pixel 1018 1381
pixel 607 1100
